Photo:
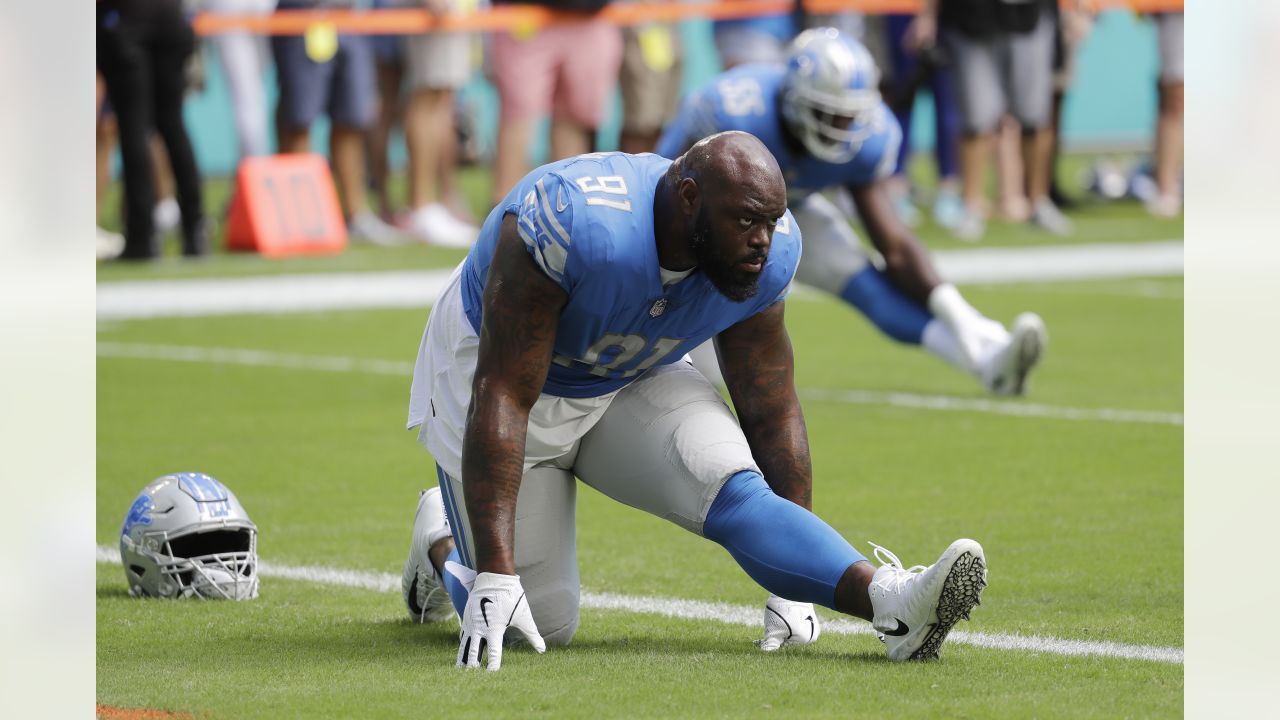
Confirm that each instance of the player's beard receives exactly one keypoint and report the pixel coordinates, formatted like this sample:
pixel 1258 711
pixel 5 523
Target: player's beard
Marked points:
pixel 735 284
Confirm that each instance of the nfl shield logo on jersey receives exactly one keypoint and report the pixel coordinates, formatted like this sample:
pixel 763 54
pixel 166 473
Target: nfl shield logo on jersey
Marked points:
pixel 658 308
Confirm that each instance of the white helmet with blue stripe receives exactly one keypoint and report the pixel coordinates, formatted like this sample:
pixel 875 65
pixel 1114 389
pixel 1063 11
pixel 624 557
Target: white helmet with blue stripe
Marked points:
pixel 830 94
pixel 186 535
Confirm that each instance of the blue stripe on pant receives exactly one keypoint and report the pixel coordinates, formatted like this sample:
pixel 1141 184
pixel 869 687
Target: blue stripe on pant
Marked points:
pixel 460 554
pixel 455 517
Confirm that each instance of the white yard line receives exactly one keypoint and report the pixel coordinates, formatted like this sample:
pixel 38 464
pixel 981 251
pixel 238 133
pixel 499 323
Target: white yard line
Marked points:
pixel 993 407
pixel 269 294
pixel 1060 262
pixel 732 614
pixel 1140 288
pixel 254 358
pixel 328 363
pixel 418 289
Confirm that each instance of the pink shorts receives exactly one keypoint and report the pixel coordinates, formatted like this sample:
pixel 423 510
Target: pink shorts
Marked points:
pixel 570 70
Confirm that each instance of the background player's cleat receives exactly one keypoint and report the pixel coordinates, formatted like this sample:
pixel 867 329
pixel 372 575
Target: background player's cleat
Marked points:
pixel 424 595
pixel 914 608
pixel 1006 373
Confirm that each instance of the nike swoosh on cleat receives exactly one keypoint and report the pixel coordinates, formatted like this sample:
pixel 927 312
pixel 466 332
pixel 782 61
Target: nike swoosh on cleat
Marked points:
pixel 812 626
pixel 412 600
pixel 899 631
pixel 483 611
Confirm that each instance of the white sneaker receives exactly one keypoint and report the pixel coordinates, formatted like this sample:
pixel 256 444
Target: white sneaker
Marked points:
pixel 110 244
pixel 367 227
pixel 424 595
pixel 1164 207
pixel 166 215
pixel 1006 372
pixel 1046 216
pixel 435 225
pixel 914 608
pixel 970 226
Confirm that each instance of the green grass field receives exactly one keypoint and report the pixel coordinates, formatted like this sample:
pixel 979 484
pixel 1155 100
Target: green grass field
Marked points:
pixel 1081 520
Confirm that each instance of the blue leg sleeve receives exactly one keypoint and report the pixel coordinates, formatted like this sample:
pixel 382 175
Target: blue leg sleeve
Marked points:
pixel 787 549
pixel 457 593
pixel 897 315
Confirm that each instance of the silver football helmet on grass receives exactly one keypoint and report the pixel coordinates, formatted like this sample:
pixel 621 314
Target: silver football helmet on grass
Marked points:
pixel 186 535
pixel 830 95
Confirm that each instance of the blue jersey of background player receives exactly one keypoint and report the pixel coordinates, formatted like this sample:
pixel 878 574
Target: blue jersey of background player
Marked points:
pixel 581 215
pixel 822 118
pixel 747 98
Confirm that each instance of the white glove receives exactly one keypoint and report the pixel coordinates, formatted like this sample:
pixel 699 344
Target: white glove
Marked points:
pixel 496 602
pixel 788 623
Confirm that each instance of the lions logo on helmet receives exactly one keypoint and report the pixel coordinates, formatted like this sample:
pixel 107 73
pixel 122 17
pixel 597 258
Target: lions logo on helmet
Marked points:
pixel 186 535
pixel 830 94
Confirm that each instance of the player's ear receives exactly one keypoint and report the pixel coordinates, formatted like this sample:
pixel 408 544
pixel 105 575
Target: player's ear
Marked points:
pixel 690 197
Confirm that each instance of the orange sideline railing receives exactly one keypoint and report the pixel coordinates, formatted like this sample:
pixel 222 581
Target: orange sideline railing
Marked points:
pixel 531 17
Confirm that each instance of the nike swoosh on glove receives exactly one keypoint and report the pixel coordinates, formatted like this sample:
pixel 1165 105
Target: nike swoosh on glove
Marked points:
pixel 496 602
pixel 788 623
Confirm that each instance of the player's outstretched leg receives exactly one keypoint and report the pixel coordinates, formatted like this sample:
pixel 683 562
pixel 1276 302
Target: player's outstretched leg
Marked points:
pixel 914 608
pixel 421 585
pixel 793 554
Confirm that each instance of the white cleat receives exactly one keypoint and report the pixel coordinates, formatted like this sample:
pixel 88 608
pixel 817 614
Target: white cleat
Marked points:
pixel 788 623
pixel 1006 373
pixel 424 595
pixel 915 608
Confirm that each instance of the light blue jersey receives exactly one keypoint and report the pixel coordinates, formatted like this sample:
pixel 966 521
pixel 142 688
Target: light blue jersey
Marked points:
pixel 747 98
pixel 588 224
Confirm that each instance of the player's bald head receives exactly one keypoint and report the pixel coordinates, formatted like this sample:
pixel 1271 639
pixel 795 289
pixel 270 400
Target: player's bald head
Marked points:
pixel 725 196
pixel 734 163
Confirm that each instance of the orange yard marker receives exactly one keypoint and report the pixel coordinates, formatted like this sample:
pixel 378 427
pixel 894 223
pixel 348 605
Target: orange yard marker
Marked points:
pixel 286 205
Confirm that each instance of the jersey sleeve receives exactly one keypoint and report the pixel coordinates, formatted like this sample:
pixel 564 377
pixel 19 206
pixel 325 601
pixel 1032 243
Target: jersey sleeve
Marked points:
pixel 544 221
pixel 878 156
pixel 888 160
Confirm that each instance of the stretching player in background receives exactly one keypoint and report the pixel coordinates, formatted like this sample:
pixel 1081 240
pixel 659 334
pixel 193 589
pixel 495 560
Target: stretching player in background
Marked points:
pixel 822 118
pixel 557 350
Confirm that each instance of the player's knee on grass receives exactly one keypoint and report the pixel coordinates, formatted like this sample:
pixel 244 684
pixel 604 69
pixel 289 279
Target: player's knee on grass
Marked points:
pixel 555 610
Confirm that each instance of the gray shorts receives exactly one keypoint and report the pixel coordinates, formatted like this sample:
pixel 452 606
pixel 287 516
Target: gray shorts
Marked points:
pixel 341 87
pixel 440 60
pixel 1169 38
pixel 666 445
pixel 1009 73
pixel 832 251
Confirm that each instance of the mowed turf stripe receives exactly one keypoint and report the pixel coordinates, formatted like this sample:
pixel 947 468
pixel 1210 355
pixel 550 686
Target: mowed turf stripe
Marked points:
pixel 744 615
pixel 329 363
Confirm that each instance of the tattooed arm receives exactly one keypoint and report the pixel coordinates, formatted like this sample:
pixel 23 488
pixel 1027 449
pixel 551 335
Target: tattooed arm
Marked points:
pixel 521 312
pixel 755 357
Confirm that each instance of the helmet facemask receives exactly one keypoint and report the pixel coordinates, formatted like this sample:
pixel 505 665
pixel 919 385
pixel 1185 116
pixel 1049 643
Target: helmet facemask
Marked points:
pixel 830 97
pixel 217 564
